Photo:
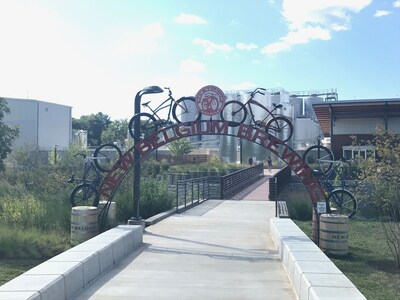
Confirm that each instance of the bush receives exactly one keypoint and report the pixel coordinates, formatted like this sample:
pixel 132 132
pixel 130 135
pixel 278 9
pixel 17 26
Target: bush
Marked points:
pixel 300 209
pixel 154 198
pixel 30 243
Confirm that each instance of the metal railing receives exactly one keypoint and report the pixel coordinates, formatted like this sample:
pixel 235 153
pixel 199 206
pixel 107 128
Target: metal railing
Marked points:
pixel 278 182
pixel 193 191
pixel 236 181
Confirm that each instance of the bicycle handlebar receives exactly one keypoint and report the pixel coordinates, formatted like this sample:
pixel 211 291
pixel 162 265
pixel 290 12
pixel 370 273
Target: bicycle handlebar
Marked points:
pixel 258 91
pixel 169 91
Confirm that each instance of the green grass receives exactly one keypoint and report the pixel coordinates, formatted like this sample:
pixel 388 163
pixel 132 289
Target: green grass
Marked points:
pixel 11 268
pixel 369 265
pixel 20 250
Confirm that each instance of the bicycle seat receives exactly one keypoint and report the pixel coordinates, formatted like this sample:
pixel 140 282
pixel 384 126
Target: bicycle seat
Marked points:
pixel 152 90
pixel 277 105
pixel 146 103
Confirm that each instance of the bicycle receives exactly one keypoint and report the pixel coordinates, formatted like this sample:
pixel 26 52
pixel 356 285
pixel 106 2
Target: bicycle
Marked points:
pixel 103 159
pixel 235 112
pixel 150 123
pixel 339 200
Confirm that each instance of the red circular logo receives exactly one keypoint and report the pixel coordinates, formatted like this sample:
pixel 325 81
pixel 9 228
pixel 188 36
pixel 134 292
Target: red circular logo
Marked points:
pixel 210 100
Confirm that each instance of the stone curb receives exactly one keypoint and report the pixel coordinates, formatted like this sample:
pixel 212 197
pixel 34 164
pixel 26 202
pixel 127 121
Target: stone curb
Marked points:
pixel 65 275
pixel 312 274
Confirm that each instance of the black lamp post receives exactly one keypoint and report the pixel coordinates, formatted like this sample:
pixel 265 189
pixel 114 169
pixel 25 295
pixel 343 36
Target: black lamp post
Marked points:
pixel 136 219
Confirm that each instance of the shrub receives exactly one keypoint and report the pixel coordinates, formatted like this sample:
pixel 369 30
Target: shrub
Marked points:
pixel 30 243
pixel 154 198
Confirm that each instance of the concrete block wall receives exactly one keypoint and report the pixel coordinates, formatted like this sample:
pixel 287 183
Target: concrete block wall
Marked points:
pixel 65 275
pixel 312 274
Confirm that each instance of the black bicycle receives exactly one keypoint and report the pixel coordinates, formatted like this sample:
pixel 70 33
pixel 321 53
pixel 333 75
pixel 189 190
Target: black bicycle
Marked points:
pixel 235 112
pixel 329 172
pixel 103 160
pixel 181 110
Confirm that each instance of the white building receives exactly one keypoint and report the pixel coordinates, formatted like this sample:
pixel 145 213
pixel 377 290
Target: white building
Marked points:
pixel 42 125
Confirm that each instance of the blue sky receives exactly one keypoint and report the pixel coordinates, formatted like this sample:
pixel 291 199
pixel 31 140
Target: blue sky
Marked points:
pixel 96 55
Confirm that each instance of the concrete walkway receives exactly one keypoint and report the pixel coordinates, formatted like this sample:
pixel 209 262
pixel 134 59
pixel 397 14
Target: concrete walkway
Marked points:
pixel 217 250
pixel 257 191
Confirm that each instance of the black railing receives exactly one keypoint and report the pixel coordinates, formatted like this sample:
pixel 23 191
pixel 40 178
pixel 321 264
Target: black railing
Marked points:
pixel 193 191
pixel 232 183
pixel 278 182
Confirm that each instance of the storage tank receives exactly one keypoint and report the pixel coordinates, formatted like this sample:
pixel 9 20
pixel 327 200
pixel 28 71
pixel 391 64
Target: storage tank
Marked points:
pixel 193 111
pixel 228 144
pixel 297 106
pixel 308 103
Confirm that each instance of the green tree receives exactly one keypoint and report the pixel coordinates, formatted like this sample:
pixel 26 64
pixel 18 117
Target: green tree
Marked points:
pixel 7 133
pixel 115 132
pixel 380 177
pixel 180 147
pixel 94 124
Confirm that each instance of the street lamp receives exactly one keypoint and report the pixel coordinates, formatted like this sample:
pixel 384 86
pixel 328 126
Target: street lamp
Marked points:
pixel 136 219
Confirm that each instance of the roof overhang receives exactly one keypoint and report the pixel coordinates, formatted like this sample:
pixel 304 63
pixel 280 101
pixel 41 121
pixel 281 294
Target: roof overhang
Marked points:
pixel 326 112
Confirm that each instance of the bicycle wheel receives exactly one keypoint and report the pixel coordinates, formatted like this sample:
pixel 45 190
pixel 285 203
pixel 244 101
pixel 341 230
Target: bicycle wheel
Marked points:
pixel 234 112
pixel 106 157
pixel 342 202
pixel 184 110
pixel 147 125
pixel 280 127
pixel 85 195
pixel 319 158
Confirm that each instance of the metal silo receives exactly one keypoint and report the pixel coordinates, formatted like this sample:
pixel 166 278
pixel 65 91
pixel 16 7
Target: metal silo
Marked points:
pixel 229 144
pixel 190 116
pixel 308 103
pixel 297 106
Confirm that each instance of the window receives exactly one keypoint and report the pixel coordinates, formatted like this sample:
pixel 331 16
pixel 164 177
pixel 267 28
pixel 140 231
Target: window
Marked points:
pixel 354 152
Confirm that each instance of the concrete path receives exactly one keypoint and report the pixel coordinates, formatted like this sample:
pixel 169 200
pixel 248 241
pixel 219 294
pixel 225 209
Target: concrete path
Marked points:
pixel 217 250
pixel 257 191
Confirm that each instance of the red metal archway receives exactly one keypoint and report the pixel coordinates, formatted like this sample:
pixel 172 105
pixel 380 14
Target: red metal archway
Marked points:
pixel 144 147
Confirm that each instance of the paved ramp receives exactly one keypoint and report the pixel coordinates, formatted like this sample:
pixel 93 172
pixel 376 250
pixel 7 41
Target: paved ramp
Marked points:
pixel 217 250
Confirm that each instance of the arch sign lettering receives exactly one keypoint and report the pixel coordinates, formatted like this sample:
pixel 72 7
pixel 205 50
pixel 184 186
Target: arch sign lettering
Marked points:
pixel 210 100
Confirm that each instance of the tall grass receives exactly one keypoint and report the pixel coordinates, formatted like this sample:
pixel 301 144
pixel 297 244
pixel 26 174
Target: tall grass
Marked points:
pixel 30 243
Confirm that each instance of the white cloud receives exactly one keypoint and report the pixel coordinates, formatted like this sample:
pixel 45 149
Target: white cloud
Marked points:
pixel 247 85
pixel 396 4
pixel 315 20
pixel 210 47
pixel 243 46
pixel 141 42
pixel 300 36
pixel 321 12
pixel 189 19
pixel 381 13
pixel 191 66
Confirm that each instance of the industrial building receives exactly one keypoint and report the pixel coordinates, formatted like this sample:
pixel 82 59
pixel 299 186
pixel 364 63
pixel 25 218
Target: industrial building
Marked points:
pixel 42 125
pixel 341 120
pixel 296 106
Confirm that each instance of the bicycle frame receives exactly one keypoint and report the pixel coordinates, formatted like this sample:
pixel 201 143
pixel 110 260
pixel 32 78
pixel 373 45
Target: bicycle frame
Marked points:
pixel 87 167
pixel 163 105
pixel 263 121
pixel 252 101
pixel 326 177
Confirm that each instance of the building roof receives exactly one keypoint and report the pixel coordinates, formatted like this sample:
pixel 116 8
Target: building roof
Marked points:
pixel 347 109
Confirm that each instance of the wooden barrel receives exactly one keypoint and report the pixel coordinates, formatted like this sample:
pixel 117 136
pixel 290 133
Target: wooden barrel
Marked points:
pixel 314 235
pixel 112 211
pixel 334 234
pixel 84 224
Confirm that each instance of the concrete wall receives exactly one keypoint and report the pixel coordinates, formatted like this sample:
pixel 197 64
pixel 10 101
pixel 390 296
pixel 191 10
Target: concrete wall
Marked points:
pixel 67 274
pixel 42 124
pixel 23 113
pixel 55 126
